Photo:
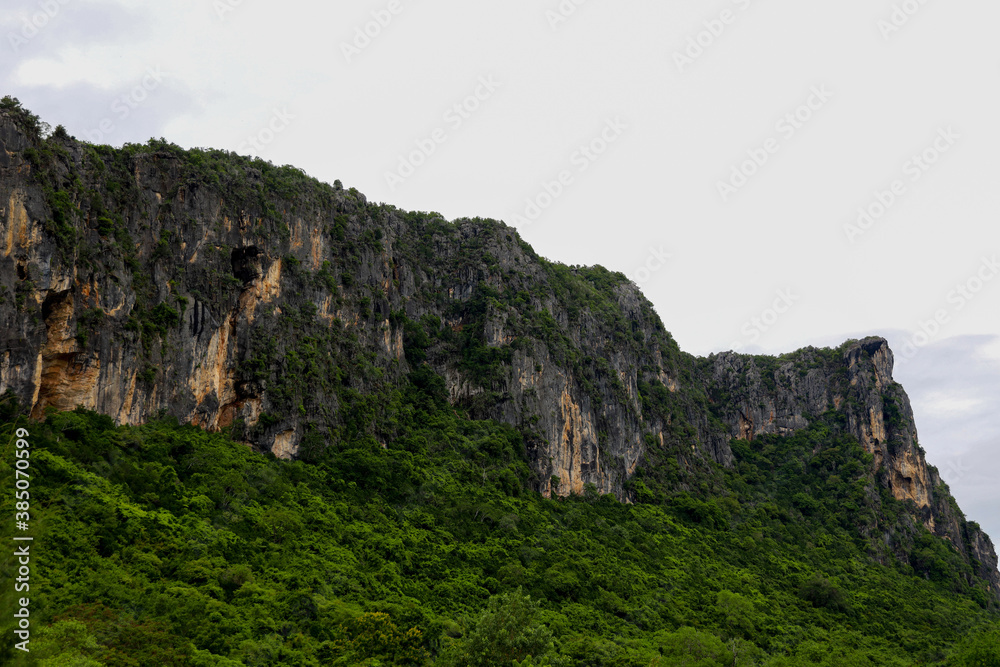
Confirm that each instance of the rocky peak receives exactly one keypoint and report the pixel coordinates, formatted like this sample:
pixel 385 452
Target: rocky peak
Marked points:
pixel 758 395
pixel 236 295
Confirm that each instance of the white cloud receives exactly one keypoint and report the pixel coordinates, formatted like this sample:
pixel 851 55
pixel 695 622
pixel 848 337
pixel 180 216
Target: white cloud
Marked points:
pixel 943 404
pixel 103 67
pixel 990 351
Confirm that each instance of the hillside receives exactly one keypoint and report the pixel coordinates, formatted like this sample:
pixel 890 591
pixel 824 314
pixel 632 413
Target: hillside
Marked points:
pixel 435 423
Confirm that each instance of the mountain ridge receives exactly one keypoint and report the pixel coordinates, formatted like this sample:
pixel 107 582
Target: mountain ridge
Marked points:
pixel 242 297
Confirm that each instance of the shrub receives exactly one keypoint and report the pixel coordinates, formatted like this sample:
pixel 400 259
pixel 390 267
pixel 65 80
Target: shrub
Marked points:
pixel 507 630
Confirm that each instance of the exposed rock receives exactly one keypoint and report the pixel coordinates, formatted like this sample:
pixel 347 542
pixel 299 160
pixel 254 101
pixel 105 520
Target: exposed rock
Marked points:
pixel 210 296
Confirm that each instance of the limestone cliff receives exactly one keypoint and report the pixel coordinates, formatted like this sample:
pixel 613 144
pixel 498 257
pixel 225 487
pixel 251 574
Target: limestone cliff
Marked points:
pixel 236 295
pixel 761 395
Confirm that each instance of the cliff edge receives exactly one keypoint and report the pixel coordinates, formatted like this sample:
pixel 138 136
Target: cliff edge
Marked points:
pixel 239 296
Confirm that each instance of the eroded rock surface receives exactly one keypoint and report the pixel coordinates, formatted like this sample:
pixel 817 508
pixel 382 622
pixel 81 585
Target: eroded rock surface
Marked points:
pixel 241 297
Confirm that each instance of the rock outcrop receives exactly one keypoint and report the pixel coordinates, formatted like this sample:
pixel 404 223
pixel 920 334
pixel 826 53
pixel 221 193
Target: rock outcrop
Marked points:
pixel 765 395
pixel 235 295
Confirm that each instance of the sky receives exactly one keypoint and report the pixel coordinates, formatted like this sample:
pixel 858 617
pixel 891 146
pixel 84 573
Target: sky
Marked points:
pixel 771 173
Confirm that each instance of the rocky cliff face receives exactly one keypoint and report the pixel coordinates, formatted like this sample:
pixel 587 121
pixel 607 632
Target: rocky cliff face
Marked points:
pixel 764 395
pixel 235 295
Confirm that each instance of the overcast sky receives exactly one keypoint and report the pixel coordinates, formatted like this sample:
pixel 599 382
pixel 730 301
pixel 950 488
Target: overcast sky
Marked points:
pixel 773 173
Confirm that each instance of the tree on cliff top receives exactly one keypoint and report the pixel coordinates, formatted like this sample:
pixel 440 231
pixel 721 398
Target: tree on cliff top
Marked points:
pixel 28 121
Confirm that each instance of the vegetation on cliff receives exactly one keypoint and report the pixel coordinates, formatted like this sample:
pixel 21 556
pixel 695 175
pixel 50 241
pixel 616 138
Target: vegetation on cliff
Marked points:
pixel 164 544
pixel 494 459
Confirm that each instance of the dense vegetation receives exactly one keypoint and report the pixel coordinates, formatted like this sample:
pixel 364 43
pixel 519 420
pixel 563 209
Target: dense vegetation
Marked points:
pixel 410 530
pixel 167 545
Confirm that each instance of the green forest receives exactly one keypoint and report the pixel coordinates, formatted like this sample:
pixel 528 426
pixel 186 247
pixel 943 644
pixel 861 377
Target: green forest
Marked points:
pixel 166 545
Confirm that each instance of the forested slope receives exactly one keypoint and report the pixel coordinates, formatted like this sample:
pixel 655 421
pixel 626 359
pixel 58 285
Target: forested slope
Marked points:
pixel 166 545
pixel 316 430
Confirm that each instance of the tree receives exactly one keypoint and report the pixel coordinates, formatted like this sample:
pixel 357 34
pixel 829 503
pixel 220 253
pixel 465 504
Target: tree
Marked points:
pixel 27 120
pixel 979 650
pixel 821 592
pixel 507 630
pixel 736 612
pixel 66 643
pixel 374 635
pixel 692 648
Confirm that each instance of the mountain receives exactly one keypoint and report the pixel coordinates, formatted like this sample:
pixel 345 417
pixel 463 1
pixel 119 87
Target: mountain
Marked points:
pixel 151 282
